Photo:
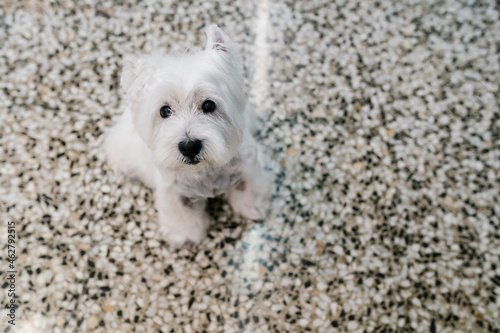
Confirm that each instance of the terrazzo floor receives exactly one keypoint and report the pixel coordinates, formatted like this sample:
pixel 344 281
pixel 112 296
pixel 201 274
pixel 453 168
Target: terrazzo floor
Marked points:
pixel 382 128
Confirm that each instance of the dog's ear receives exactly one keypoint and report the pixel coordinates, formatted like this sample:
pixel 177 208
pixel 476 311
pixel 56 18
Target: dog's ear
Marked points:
pixel 219 41
pixel 129 72
pixel 135 76
pixel 216 39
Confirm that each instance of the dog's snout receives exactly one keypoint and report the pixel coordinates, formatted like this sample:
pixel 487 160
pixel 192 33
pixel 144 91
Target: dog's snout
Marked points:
pixel 190 148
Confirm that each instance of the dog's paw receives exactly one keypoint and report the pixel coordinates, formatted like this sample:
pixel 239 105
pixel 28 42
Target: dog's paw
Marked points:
pixel 177 237
pixel 253 212
pixel 250 205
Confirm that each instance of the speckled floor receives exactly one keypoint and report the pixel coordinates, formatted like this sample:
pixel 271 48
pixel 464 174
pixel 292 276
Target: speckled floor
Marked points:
pixel 383 131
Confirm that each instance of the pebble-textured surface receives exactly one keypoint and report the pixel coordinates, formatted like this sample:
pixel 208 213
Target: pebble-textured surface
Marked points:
pixel 383 126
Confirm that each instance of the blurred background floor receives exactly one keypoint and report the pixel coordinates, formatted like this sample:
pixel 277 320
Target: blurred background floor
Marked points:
pixel 382 129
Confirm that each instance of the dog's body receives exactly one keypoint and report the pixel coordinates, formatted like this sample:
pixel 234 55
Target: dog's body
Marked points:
pixel 186 133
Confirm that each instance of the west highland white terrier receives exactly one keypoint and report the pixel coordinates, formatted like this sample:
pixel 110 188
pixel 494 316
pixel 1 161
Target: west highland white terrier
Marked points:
pixel 187 133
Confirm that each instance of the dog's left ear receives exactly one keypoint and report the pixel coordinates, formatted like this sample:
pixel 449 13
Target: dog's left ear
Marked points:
pixel 219 41
pixel 129 72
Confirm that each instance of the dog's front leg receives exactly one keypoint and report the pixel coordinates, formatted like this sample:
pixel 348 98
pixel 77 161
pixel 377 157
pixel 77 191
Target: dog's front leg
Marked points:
pixel 251 197
pixel 181 220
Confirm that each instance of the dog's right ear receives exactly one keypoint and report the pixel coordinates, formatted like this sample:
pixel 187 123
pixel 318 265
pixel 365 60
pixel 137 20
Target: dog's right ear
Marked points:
pixel 129 72
pixel 217 40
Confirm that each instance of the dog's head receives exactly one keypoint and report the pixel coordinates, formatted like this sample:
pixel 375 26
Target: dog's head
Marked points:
pixel 190 109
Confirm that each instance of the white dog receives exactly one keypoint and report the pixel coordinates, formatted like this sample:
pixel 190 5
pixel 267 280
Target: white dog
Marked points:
pixel 186 132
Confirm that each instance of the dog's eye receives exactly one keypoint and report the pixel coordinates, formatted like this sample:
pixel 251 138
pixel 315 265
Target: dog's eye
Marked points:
pixel 165 111
pixel 208 106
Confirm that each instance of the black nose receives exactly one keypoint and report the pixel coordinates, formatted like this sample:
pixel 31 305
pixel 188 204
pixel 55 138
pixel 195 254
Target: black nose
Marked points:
pixel 190 148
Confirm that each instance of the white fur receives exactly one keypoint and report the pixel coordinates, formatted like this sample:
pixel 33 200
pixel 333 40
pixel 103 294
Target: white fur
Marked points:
pixel 144 145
